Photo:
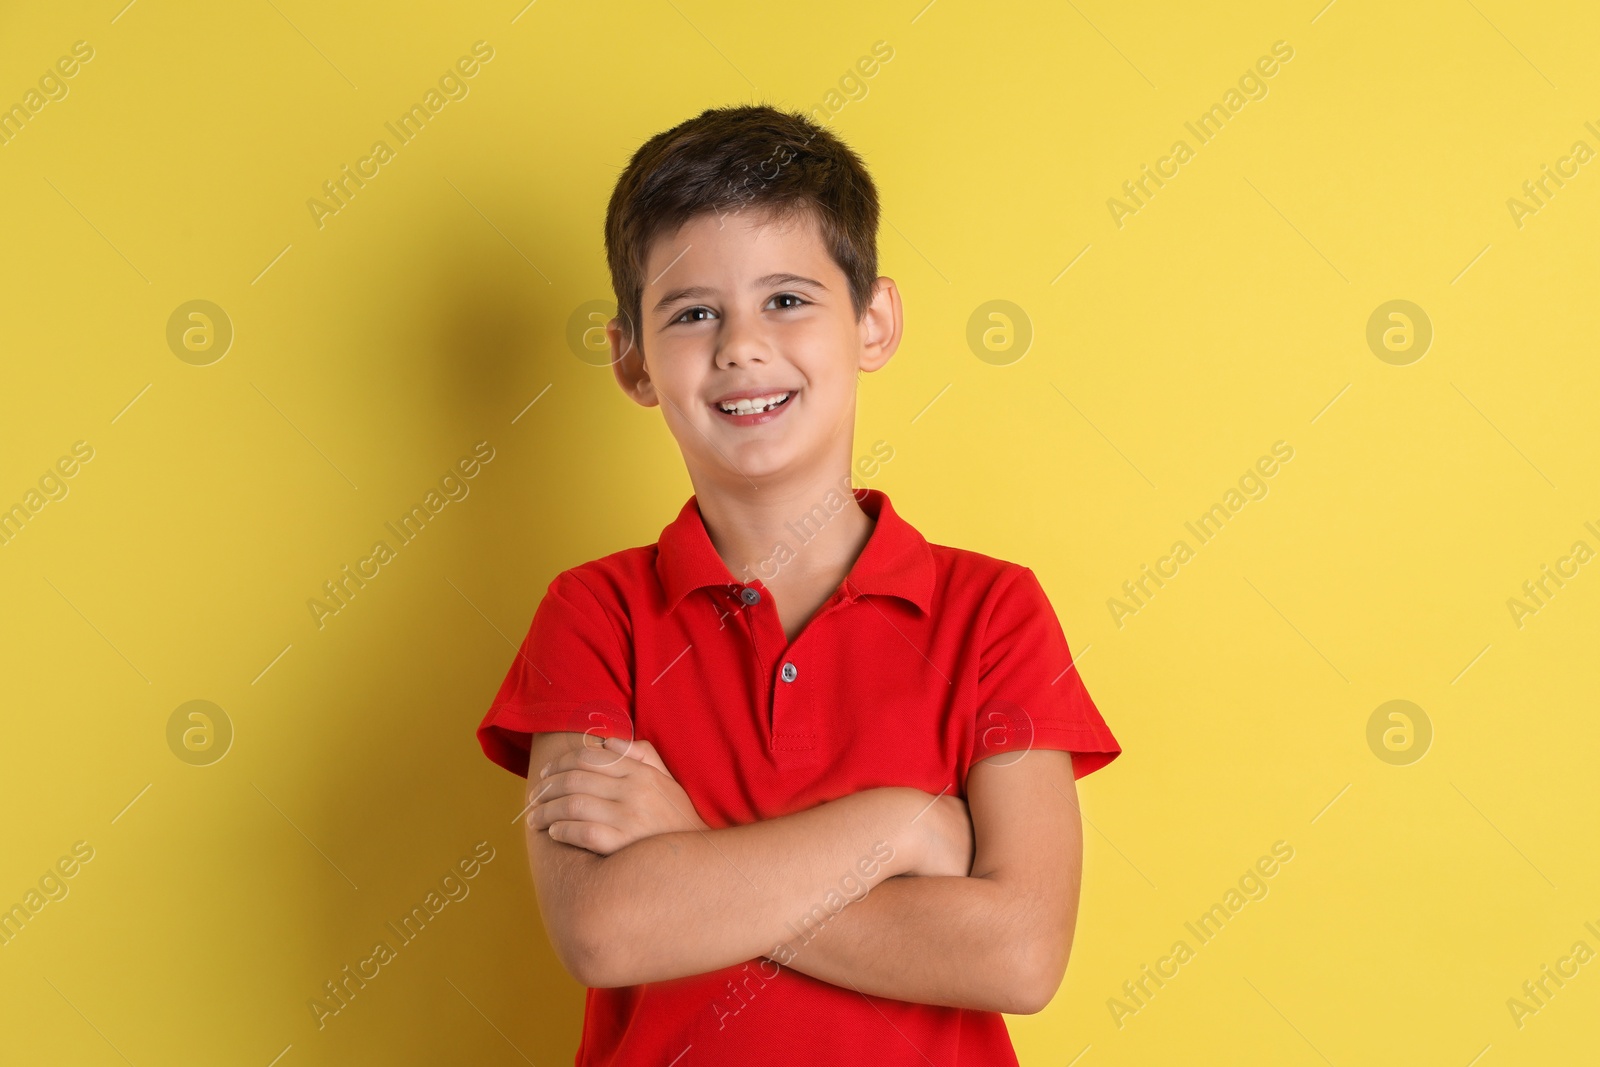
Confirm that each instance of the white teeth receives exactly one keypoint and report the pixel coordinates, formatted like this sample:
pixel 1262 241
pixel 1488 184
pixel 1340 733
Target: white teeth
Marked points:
pixel 753 405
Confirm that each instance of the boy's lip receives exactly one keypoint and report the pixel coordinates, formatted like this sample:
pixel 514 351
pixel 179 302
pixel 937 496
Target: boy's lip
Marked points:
pixel 757 418
pixel 750 394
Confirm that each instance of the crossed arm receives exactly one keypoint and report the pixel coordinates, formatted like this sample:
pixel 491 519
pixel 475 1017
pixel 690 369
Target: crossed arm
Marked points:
pixel 969 905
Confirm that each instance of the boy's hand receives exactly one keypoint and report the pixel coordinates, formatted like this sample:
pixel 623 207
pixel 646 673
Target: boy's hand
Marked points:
pixel 947 840
pixel 605 797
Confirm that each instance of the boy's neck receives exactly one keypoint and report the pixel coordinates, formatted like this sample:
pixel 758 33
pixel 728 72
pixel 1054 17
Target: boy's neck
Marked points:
pixel 747 528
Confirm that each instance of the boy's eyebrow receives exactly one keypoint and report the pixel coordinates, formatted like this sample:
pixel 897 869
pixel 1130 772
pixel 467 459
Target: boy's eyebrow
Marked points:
pixel 781 278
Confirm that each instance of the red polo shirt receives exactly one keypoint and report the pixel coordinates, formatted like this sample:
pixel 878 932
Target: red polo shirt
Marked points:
pixel 925 660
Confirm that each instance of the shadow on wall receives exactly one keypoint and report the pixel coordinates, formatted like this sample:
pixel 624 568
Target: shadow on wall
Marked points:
pixel 417 657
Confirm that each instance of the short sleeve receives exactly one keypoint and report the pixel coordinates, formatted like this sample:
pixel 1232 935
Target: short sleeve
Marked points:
pixel 1030 694
pixel 571 674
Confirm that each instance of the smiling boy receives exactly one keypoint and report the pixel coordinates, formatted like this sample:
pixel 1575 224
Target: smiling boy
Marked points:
pixel 824 817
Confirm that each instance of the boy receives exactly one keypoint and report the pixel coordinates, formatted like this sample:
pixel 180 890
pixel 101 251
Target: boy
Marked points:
pixel 824 812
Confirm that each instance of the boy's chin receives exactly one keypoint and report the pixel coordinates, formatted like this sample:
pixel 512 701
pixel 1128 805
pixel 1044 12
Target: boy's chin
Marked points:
pixel 738 468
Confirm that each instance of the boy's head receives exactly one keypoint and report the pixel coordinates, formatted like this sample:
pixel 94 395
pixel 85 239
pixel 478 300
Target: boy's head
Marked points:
pixel 743 250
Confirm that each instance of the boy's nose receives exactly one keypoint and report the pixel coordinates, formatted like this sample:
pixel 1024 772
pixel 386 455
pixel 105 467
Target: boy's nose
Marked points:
pixel 741 340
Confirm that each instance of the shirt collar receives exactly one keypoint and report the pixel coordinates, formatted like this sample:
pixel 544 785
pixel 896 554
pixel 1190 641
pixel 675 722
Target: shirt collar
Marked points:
pixel 896 560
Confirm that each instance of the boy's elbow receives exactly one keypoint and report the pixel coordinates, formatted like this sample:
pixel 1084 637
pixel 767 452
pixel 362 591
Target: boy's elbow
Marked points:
pixel 577 932
pixel 1032 997
pixel 602 964
pixel 576 907
pixel 593 949
pixel 1038 980
pixel 581 956
pixel 585 938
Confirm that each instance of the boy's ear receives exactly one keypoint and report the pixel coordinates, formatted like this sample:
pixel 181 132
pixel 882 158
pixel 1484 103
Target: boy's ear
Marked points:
pixel 881 325
pixel 627 363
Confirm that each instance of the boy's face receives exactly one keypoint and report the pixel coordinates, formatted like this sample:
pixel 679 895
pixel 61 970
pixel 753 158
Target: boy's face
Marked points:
pixel 747 304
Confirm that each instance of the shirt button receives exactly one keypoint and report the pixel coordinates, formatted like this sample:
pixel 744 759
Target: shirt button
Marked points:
pixel 749 596
pixel 789 672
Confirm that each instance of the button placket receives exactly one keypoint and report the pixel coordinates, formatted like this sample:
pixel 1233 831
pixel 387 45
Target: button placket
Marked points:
pixel 790 723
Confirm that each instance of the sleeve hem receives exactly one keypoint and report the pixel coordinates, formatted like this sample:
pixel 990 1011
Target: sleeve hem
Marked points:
pixel 1091 749
pixel 506 732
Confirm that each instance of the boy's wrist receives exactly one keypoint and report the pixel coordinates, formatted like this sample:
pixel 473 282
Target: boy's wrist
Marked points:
pixel 903 830
pixel 932 835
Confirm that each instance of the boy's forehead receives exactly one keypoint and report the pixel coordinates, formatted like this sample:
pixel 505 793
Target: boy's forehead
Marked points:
pixel 748 241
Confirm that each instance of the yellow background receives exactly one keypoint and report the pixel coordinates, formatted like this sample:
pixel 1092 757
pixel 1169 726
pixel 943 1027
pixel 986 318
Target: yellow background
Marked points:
pixel 430 312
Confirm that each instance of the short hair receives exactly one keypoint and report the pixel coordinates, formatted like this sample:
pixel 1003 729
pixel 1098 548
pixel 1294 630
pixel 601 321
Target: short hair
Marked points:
pixel 727 159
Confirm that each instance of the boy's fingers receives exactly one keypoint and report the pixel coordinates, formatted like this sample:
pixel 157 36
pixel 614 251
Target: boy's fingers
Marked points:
pixel 590 758
pixel 596 837
pixel 590 783
pixel 576 807
pixel 638 749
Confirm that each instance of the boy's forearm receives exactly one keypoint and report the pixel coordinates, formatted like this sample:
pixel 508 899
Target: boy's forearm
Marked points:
pixel 960 942
pixel 689 902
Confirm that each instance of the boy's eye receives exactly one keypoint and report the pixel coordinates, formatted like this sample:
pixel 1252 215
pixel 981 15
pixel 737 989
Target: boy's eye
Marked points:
pixel 699 309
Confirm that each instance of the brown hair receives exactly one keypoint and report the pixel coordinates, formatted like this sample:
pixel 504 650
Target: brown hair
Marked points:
pixel 726 159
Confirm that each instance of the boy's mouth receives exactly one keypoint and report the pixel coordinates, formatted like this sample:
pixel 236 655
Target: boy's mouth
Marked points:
pixel 753 411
